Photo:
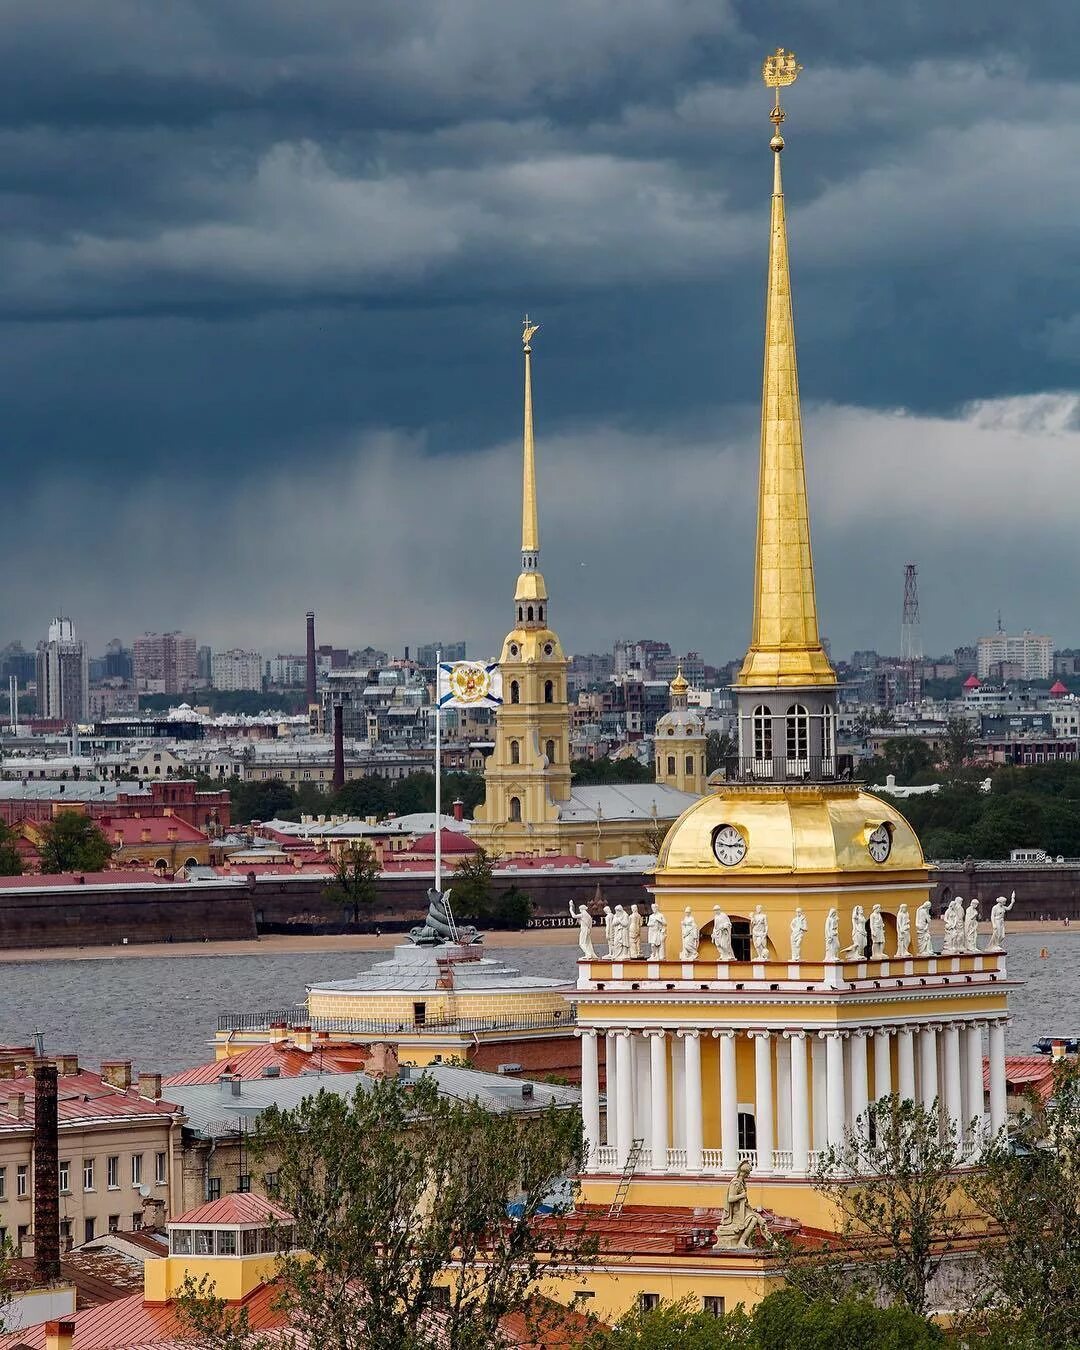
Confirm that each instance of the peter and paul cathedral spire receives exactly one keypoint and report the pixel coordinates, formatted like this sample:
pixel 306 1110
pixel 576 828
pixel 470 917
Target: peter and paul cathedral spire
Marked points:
pixel 530 597
pixel 786 689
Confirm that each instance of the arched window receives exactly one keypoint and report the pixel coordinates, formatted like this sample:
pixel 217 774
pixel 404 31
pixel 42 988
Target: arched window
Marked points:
pixel 515 808
pixel 671 766
pixel 540 612
pixel 530 613
pixel 549 691
pixel 515 752
pixel 521 614
pixel 762 732
pixel 549 750
pixel 689 765
pixel 798 732
pixel 828 733
pixel 515 692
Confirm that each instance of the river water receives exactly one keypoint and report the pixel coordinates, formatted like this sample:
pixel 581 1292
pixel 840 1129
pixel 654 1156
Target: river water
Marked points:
pixel 162 1012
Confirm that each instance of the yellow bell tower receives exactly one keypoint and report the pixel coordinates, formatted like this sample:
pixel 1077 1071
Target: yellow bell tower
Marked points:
pixel 528 773
pixel 679 743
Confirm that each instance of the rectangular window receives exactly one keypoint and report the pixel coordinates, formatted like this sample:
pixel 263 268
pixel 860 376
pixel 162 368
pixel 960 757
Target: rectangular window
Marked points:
pixel 88 1174
pixel 114 1223
pixel 182 1241
pixel 22 1181
pixel 89 1228
pixel 226 1242
pixel 272 1180
pixel 713 1304
pixel 136 1169
pixel 204 1242
pixel 244 1184
pixel 21 1235
pixel 3 1183
pixel 65 1177
pixel 65 1232
pixel 112 1173
pixel 648 1301
pixel 160 1172
pixel 250 1241
pixel 213 1188
pixel 136 1222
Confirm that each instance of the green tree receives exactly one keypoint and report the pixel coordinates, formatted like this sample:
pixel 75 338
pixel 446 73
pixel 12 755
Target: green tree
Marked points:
pixel 588 772
pixel 269 800
pixel 10 858
pixel 959 743
pixel 356 879
pixel 678 1325
pixel 512 910
pixel 71 842
pixel 471 888
pixel 411 1203
pixel 788 1320
pixel 893 1183
pixel 367 796
pixel 719 746
pixel 907 758
pixel 1029 1188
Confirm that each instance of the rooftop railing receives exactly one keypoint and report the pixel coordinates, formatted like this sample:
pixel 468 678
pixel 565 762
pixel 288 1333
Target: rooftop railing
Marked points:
pixel 780 769
pixel 390 1026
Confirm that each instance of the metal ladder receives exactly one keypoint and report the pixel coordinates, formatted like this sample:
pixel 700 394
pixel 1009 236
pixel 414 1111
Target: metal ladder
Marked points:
pixel 632 1160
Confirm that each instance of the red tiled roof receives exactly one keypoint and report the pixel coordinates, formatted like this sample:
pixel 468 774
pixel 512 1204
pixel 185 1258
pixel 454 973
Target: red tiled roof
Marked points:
pixel 289 1061
pixel 236 1207
pixel 1025 1071
pixel 521 862
pixel 150 829
pixel 82 1096
pixel 973 682
pixel 128 1323
pixel 453 841
pixel 1058 688
pixel 309 867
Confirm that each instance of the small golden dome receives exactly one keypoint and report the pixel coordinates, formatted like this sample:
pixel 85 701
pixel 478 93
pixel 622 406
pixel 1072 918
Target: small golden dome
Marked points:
pixel 679 685
pixel 824 829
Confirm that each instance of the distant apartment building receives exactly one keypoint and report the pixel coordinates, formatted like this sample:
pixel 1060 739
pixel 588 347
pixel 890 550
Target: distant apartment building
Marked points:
pixel 165 663
pixel 63 675
pixel 1027 657
pixel 237 670
pixel 119 662
pixel 202 665
pixel 288 672
pixel 428 653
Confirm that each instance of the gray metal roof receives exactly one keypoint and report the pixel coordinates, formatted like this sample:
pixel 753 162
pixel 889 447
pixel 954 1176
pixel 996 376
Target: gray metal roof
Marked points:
pixel 626 801
pixel 212 1111
pixel 79 790
pixel 413 969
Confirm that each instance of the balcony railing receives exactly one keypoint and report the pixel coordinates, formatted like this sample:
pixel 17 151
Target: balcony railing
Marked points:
pixel 389 1026
pixel 780 769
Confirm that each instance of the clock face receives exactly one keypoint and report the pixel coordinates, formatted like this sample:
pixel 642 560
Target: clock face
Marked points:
pixel 729 846
pixel 880 843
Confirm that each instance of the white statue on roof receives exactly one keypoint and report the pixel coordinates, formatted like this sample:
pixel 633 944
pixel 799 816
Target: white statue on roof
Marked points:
pixel 690 939
pixel 903 931
pixel 634 933
pixel 620 934
pixel 1000 908
pixel 857 950
pixel 585 927
pixel 799 926
pixel 832 935
pixel 721 934
pixel 971 925
pixel 877 934
pixel 925 940
pixel 954 927
pixel 759 934
pixel 609 928
pixel 657 931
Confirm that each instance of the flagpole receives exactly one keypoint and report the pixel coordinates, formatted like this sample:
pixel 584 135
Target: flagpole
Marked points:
pixel 438 774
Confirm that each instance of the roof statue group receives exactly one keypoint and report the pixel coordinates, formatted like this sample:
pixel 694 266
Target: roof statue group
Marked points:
pixel 626 932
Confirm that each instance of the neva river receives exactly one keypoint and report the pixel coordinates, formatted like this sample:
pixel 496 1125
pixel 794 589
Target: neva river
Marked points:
pixel 162 1012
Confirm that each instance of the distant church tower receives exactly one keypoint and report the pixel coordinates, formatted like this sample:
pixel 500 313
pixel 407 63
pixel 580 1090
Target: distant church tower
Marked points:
pixel 528 772
pixel 680 742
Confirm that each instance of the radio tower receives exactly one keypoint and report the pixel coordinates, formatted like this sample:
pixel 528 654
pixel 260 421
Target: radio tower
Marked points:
pixel 910 641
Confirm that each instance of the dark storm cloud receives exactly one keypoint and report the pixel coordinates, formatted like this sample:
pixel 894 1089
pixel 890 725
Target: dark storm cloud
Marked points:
pixel 248 242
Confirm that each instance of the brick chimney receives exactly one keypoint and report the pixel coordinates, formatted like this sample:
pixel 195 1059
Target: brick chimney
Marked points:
pixel 383 1062
pixel 301 1038
pixel 278 1032
pixel 46 1173
pixel 117 1073
pixel 60 1335
pixel 150 1087
pixel 67 1065
pixel 16 1105
pixel 459 809
pixel 339 748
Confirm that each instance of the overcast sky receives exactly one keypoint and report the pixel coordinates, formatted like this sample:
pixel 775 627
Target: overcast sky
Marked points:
pixel 263 266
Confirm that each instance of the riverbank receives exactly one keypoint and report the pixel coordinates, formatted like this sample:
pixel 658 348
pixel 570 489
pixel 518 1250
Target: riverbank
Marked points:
pixel 282 944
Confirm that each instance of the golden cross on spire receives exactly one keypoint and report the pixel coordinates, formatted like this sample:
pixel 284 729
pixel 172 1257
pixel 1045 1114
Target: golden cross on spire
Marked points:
pixel 527 331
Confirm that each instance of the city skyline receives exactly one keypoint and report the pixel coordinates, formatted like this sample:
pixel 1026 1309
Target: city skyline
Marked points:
pixel 299 316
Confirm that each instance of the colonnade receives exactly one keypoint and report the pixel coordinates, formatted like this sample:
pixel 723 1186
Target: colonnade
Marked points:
pixel 806 1088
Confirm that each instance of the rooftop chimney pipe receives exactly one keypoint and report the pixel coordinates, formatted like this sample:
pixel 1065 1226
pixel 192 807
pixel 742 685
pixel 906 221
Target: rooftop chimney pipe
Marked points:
pixel 339 749
pixel 310 682
pixel 46 1173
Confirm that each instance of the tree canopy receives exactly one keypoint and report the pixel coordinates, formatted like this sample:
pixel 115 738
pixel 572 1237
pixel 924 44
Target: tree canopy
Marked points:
pixel 71 842
pixel 10 858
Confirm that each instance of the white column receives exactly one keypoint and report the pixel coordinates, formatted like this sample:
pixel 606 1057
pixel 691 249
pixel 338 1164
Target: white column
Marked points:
pixel 611 1090
pixel 678 1092
pixel 928 1085
pixel 659 1081
pixel 800 1104
pixel 590 1095
pixel 820 1132
pixel 729 1104
pixel 905 1064
pixel 973 1061
pixel 834 1076
pixel 624 1087
pixel 952 1087
pixel 882 1066
pixel 997 1077
pixel 783 1092
pixel 859 1091
pixel 763 1100
pixel 694 1123
pixel 642 1086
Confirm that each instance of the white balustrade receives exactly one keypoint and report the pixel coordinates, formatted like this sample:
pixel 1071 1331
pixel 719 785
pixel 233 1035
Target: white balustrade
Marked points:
pixel 712 1159
pixel 783 1160
pixel 748 1155
pixel 676 1159
pixel 606 1156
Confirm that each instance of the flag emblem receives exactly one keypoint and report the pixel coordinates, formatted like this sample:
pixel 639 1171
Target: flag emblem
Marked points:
pixel 469 684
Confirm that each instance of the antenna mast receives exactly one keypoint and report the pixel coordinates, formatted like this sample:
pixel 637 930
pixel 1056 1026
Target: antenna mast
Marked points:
pixel 910 640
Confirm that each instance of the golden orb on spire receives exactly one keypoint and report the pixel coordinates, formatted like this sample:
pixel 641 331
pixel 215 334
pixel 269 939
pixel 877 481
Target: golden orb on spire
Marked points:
pixel 679 685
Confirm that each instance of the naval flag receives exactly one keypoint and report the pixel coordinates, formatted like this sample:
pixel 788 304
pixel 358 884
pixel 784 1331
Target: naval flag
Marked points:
pixel 469 684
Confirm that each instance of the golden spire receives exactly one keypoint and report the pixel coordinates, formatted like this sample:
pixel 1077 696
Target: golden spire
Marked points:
pixel 530 584
pixel 785 648
pixel 679 684
pixel 530 529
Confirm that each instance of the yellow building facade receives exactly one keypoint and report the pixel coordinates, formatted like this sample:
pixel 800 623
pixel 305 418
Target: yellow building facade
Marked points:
pixel 679 743
pixel 795 982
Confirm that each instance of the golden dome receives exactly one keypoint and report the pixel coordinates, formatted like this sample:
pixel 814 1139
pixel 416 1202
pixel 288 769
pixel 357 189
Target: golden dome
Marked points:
pixel 679 685
pixel 819 829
